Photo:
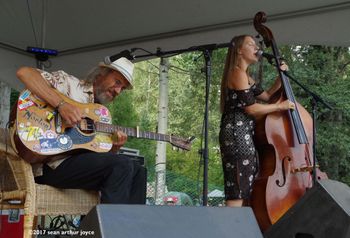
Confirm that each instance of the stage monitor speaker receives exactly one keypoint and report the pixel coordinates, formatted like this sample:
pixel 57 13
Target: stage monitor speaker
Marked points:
pixel 133 154
pixel 142 221
pixel 322 212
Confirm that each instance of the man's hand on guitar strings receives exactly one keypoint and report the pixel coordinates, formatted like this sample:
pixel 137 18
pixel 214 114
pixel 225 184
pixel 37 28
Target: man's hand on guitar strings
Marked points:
pixel 71 114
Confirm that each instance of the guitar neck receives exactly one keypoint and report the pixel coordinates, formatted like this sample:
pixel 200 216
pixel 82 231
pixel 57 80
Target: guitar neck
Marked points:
pixel 133 132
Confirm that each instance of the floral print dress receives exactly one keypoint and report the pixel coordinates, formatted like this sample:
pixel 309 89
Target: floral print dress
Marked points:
pixel 239 158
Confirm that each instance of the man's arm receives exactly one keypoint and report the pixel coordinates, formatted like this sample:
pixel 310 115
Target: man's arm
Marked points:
pixel 33 80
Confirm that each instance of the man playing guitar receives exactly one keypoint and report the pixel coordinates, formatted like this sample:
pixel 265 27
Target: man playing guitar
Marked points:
pixel 118 178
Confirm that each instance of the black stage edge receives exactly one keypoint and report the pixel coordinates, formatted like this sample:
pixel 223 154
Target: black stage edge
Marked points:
pixel 323 212
pixel 136 221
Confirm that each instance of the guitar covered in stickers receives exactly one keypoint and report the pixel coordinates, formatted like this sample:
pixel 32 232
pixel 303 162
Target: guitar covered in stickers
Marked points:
pixel 40 132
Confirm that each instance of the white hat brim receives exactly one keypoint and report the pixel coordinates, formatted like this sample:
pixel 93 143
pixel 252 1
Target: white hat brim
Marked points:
pixel 120 70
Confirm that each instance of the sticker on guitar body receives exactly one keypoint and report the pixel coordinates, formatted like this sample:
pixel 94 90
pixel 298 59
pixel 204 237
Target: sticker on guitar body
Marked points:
pixel 50 134
pixel 25 104
pixel 104 141
pixel 24 100
pixel 103 114
pixel 31 133
pixel 48 145
pixel 62 143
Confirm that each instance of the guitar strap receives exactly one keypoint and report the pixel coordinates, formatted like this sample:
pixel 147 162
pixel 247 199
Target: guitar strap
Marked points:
pixel 12 116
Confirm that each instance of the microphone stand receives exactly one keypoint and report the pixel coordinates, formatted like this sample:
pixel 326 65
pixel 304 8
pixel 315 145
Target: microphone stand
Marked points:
pixel 314 100
pixel 207 52
pixel 207 56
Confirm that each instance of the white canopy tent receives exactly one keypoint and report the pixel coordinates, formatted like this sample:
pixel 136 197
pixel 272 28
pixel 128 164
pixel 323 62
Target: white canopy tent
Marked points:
pixel 85 31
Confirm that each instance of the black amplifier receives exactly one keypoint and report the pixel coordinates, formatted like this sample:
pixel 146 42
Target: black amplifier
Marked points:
pixel 133 154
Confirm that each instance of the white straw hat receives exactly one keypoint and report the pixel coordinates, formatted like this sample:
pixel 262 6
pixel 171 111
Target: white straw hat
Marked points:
pixel 124 66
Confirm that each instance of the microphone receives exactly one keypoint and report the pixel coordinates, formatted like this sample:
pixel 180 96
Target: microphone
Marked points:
pixel 125 53
pixel 261 53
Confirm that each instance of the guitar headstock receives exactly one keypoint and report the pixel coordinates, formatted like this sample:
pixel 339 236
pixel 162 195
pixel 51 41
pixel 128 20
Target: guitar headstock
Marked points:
pixel 184 144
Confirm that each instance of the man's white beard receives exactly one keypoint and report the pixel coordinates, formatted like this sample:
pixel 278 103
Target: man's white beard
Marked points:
pixel 102 98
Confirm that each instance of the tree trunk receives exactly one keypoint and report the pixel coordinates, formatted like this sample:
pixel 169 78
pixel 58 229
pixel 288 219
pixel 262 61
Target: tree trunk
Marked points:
pixel 160 166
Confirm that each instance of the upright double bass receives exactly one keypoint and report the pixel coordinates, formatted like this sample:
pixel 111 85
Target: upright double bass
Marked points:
pixel 284 143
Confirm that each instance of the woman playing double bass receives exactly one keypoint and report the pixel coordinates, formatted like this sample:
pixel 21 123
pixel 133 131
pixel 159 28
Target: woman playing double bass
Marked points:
pixel 239 109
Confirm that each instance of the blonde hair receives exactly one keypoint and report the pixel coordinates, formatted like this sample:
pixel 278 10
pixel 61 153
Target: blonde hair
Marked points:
pixel 231 61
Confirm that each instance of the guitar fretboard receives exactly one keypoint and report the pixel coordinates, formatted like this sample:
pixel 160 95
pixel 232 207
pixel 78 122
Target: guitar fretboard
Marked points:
pixel 133 132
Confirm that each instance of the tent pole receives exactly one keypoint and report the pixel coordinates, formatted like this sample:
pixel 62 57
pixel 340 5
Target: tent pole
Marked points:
pixel 43 32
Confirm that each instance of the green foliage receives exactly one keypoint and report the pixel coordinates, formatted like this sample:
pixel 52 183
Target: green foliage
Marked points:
pixel 13 97
pixel 124 113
